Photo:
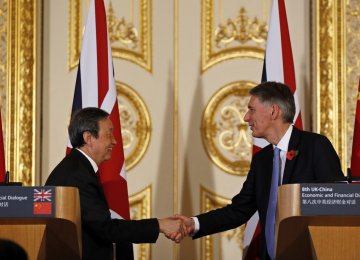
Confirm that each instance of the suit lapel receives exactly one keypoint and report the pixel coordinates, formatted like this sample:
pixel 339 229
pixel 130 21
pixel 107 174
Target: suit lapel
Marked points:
pixel 291 162
pixel 268 166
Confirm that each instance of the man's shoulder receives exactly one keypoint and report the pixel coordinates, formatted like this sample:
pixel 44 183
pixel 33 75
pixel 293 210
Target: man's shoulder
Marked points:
pixel 71 160
pixel 67 168
pixel 307 135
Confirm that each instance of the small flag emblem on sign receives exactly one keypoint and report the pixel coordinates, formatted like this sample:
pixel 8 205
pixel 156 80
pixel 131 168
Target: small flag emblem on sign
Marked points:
pixel 42 201
pixel 42 195
pixel 42 208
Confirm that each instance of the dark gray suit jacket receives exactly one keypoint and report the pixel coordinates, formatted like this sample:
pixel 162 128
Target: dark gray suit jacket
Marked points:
pixel 316 161
pixel 99 231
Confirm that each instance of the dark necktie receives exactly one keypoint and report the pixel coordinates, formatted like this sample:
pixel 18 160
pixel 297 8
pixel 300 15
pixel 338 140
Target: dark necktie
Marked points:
pixel 271 210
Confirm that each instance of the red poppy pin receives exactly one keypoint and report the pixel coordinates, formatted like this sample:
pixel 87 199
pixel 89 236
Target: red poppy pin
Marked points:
pixel 291 154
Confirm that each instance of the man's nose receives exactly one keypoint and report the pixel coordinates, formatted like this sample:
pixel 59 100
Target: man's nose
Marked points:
pixel 246 117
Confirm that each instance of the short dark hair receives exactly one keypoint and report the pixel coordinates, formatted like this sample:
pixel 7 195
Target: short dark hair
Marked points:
pixel 272 92
pixel 12 250
pixel 85 120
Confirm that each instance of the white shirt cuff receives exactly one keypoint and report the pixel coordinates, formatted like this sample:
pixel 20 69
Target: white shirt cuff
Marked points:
pixel 197 225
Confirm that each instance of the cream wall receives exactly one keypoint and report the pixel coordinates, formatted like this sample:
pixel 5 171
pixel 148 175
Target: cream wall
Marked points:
pixel 58 85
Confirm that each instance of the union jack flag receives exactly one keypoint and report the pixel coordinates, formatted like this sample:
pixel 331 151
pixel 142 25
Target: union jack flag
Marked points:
pixel 42 195
pixel 95 87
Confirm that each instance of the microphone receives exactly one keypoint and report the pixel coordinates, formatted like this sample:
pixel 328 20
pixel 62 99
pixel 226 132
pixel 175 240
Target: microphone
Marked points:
pixel 7 177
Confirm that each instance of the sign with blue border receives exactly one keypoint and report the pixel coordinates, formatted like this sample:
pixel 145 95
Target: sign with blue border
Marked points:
pixel 27 202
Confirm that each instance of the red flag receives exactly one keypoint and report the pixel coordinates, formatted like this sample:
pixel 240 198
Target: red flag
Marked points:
pixel 42 208
pixel 2 155
pixel 278 66
pixel 95 87
pixel 355 155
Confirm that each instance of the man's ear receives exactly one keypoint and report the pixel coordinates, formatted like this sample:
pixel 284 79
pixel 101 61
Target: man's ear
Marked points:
pixel 276 111
pixel 87 137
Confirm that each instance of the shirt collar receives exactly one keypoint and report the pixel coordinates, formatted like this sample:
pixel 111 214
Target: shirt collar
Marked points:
pixel 284 141
pixel 92 162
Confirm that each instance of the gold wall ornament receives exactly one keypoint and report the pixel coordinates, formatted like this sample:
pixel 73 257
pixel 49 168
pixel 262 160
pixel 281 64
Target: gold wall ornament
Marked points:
pixel 140 208
pixel 330 73
pixel 243 30
pixel 352 69
pixel 210 201
pixel 127 41
pixel 217 45
pixel 121 30
pixel 142 55
pixel 135 124
pixel 22 60
pixel 226 137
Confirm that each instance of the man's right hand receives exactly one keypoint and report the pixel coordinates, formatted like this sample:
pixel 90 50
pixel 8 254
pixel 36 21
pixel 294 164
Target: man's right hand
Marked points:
pixel 188 222
pixel 172 228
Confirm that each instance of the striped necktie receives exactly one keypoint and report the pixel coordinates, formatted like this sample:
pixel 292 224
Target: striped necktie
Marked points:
pixel 271 210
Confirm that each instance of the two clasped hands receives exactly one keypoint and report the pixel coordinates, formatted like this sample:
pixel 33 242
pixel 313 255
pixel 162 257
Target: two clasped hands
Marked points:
pixel 177 227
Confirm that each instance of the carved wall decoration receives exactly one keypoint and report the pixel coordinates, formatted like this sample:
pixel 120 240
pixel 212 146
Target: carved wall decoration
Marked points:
pixel 241 36
pixel 22 60
pixel 209 201
pixel 129 40
pixel 140 208
pixel 243 30
pixel 330 73
pixel 135 124
pixel 121 31
pixel 226 137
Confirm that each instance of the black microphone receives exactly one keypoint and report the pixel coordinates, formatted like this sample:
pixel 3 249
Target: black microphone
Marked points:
pixel 7 177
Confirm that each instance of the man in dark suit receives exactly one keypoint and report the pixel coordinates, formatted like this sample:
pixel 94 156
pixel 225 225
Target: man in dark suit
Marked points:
pixel 91 135
pixel 304 157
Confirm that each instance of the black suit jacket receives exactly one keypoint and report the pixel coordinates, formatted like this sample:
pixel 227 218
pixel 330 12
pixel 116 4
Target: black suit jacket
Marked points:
pixel 99 231
pixel 316 161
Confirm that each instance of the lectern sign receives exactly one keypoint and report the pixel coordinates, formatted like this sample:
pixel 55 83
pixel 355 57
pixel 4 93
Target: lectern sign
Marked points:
pixel 24 202
pixel 330 199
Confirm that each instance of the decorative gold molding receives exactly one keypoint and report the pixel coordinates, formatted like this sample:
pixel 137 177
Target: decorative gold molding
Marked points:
pixel 210 201
pixel 228 33
pixel 3 58
pixel 140 208
pixel 352 69
pixel 330 74
pixel 226 137
pixel 141 54
pixel 22 63
pixel 74 33
pixel 135 124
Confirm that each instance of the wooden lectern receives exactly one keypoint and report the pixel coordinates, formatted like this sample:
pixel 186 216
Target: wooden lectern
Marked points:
pixel 49 238
pixel 313 237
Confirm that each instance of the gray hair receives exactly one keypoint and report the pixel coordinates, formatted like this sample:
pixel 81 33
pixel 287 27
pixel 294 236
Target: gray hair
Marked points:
pixel 85 120
pixel 272 92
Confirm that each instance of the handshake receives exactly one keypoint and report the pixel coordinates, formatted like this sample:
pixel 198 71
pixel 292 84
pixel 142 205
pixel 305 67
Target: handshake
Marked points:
pixel 177 227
